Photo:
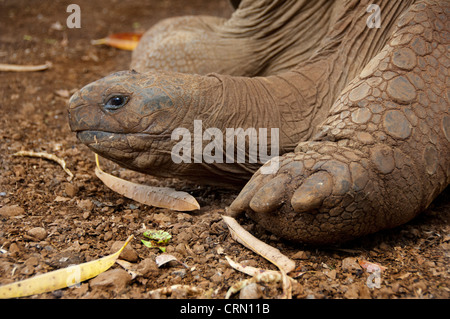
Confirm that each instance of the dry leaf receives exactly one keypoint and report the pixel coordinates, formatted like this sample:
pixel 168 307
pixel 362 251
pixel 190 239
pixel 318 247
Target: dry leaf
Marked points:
pixel 48 156
pixel 123 41
pixel 61 199
pixel 404 276
pixel 270 253
pixel 60 278
pixel 371 267
pixel 259 275
pixel 154 196
pixel 249 270
pixel 163 259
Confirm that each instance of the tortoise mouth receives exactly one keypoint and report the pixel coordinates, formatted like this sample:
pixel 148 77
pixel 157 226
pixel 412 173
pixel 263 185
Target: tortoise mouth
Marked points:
pixel 95 138
pixel 108 144
pixel 120 146
pixel 113 146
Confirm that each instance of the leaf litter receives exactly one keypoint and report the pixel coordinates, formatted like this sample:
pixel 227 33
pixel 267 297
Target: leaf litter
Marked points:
pixel 61 278
pixel 272 254
pixel 123 40
pixel 421 264
pixel 163 197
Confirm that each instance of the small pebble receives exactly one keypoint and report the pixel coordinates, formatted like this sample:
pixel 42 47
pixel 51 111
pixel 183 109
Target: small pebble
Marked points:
pixel 71 190
pixel 350 264
pixel 148 268
pixel 252 291
pixel 217 278
pixel 181 273
pixel 198 249
pixel 330 273
pixel 14 249
pixel 302 255
pixel 86 205
pixel 181 249
pixel 38 233
pixel 108 236
pixel 128 253
pixel 117 278
pixel 10 211
pixel 32 261
pixel 27 270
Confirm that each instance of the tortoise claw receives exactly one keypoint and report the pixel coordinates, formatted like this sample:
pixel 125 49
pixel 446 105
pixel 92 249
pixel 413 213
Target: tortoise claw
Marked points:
pixel 312 192
pixel 271 196
pixel 242 202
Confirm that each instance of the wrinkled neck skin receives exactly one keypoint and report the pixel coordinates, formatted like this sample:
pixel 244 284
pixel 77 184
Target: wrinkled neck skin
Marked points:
pixel 139 136
pixel 280 34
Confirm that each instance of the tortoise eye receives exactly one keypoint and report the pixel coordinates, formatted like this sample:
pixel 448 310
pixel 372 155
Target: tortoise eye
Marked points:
pixel 116 102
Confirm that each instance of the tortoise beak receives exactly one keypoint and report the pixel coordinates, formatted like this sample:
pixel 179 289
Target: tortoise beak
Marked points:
pixel 75 102
pixel 81 115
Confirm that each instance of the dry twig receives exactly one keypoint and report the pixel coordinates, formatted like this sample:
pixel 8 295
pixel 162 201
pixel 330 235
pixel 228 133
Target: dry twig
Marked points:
pixel 48 156
pixel 24 68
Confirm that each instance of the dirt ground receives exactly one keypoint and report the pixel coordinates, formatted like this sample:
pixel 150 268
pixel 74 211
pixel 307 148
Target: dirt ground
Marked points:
pixel 47 223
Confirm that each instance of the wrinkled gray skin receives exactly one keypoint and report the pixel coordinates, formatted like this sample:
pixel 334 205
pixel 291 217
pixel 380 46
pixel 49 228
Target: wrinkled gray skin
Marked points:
pixel 363 113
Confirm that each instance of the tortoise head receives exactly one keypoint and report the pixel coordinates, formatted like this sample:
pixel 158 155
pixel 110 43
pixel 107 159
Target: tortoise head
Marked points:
pixel 128 117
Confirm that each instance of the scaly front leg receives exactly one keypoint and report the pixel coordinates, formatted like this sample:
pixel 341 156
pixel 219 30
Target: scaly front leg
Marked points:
pixel 382 155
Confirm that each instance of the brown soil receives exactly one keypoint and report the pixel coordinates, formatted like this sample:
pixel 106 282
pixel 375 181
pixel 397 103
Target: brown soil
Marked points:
pixel 82 219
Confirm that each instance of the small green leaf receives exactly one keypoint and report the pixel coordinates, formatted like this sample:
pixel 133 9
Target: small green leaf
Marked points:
pixel 157 238
pixel 148 244
pixel 160 236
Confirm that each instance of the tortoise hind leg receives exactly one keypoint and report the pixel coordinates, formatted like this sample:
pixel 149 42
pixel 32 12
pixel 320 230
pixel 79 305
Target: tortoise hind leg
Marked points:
pixel 383 153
